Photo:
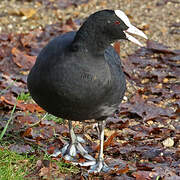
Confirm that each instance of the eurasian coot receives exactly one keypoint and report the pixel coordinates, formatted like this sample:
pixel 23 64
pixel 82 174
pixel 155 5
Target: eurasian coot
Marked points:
pixel 78 76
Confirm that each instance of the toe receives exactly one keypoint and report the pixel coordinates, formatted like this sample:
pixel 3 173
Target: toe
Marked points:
pixel 98 167
pixel 72 150
pixel 64 149
pixel 80 139
pixel 89 157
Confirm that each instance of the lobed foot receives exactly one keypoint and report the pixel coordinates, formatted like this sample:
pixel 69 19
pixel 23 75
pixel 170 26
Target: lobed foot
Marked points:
pixel 70 151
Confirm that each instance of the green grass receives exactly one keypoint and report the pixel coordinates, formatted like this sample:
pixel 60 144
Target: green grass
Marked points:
pixel 158 177
pixel 50 117
pixel 67 168
pixel 24 96
pixel 64 167
pixel 14 166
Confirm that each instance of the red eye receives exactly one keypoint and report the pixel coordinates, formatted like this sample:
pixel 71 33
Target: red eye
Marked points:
pixel 117 22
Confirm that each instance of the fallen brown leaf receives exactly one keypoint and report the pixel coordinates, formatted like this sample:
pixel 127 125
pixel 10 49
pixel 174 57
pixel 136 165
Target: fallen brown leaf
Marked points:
pixel 21 59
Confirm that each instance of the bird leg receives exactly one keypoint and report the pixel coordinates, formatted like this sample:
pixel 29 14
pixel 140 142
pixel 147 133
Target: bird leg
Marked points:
pixel 70 150
pixel 100 165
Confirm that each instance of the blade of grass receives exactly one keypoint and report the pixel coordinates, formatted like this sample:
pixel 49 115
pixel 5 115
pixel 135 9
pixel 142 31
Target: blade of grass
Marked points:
pixel 158 177
pixel 9 120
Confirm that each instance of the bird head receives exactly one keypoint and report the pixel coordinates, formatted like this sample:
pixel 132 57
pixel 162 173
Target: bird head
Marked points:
pixel 115 25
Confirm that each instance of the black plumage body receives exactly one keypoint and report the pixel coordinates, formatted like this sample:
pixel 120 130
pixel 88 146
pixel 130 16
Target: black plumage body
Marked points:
pixel 71 81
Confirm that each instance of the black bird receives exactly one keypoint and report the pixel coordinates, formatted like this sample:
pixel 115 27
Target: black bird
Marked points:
pixel 78 76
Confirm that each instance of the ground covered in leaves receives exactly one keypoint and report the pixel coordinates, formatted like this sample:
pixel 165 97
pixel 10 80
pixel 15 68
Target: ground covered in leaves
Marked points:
pixel 142 141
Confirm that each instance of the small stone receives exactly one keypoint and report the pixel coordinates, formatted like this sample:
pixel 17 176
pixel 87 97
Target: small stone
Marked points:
pixel 150 122
pixel 125 98
pixel 169 142
pixel 144 96
pixel 165 80
pixel 144 26
pixel 10 26
pixel 24 18
pixel 160 125
pixel 159 86
pixel 146 80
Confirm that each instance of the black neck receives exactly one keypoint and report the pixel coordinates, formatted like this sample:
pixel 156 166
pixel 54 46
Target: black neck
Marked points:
pixel 91 38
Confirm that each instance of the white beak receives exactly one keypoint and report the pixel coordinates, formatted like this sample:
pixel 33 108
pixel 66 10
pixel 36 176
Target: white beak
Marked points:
pixel 133 30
